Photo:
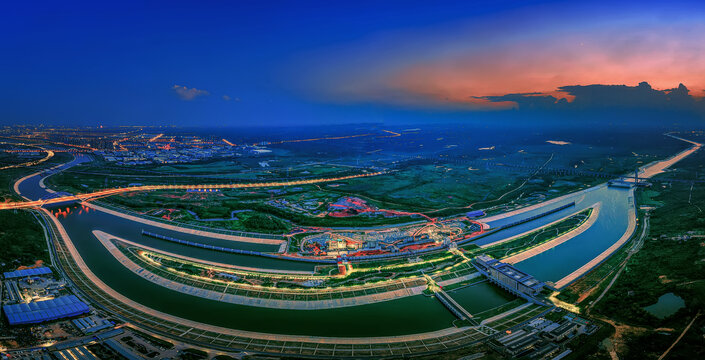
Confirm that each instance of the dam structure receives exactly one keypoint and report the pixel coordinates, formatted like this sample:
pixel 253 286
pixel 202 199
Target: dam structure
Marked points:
pixel 509 278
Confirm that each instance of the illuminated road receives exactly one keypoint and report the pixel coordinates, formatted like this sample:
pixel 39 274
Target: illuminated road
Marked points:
pixel 48 156
pixel 109 192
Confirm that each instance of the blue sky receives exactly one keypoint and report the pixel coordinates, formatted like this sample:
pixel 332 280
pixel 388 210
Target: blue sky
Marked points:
pixel 251 63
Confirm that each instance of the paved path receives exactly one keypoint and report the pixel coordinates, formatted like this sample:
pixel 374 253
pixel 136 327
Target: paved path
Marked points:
pixel 632 251
pixel 604 255
pixel 504 314
pixel 537 206
pixel 48 156
pixel 105 239
pixel 658 167
pixel 648 171
pixel 679 337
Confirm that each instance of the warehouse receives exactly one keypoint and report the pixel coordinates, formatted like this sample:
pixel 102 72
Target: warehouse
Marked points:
pixel 37 312
pixel 39 271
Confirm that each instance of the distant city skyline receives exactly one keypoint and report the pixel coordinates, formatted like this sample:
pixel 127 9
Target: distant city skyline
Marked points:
pixel 315 63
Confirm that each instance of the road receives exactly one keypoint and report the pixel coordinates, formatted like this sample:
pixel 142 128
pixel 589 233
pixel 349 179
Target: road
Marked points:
pixel 109 192
pixel 49 155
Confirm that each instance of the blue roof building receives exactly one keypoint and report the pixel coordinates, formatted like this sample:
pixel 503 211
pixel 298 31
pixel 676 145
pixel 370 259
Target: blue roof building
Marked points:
pixel 48 310
pixel 27 272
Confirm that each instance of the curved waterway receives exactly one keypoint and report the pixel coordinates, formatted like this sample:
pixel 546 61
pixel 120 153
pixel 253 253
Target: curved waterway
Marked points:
pixel 79 224
pixel 558 262
pixel 611 224
pixel 480 297
pixel 30 187
pixel 407 315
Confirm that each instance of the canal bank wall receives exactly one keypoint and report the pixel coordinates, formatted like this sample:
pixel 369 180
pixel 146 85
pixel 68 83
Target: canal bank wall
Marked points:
pixel 557 241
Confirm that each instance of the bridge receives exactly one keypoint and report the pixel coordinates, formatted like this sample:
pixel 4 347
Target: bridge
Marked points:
pixel 110 192
pixel 452 305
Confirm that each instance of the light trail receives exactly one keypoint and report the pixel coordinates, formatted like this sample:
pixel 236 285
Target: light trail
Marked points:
pixel 321 138
pixel 156 137
pixel 109 192
pixel 394 134
pixel 48 156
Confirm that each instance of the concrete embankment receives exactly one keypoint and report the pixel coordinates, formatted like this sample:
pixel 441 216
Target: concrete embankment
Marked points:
pixel 185 230
pixel 602 257
pixel 513 237
pixel 557 241
pixel 165 317
pixel 207 262
pixel 106 240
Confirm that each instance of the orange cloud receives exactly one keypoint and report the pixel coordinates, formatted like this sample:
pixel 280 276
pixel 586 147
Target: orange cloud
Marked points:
pixel 537 66
pixel 455 67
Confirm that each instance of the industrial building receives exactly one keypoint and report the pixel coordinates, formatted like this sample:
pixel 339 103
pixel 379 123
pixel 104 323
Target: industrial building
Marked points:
pixel 508 277
pixel 475 214
pixel 26 285
pixel 41 311
pixel 91 324
pixel 77 353
pixel 517 343
pixel 39 271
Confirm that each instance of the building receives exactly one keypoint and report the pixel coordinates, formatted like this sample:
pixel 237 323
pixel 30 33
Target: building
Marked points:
pixel 508 277
pixel 41 311
pixel 475 214
pixel 38 271
pixel 517 343
pixel 565 330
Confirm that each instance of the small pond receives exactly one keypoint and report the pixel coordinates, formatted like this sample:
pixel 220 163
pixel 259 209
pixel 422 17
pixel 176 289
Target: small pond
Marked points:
pixel 666 306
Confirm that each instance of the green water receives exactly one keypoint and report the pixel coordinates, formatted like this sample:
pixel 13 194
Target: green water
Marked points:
pixel 667 305
pixel 480 297
pixel 408 315
pixel 611 223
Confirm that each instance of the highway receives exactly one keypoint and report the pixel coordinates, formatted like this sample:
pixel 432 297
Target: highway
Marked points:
pixel 109 192
pixel 49 155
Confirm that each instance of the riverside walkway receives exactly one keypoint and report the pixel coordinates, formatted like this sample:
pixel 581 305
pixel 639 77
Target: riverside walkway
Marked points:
pixel 602 257
pixel 101 235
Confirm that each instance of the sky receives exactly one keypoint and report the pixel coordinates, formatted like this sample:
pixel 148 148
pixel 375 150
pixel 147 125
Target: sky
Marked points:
pixel 253 63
